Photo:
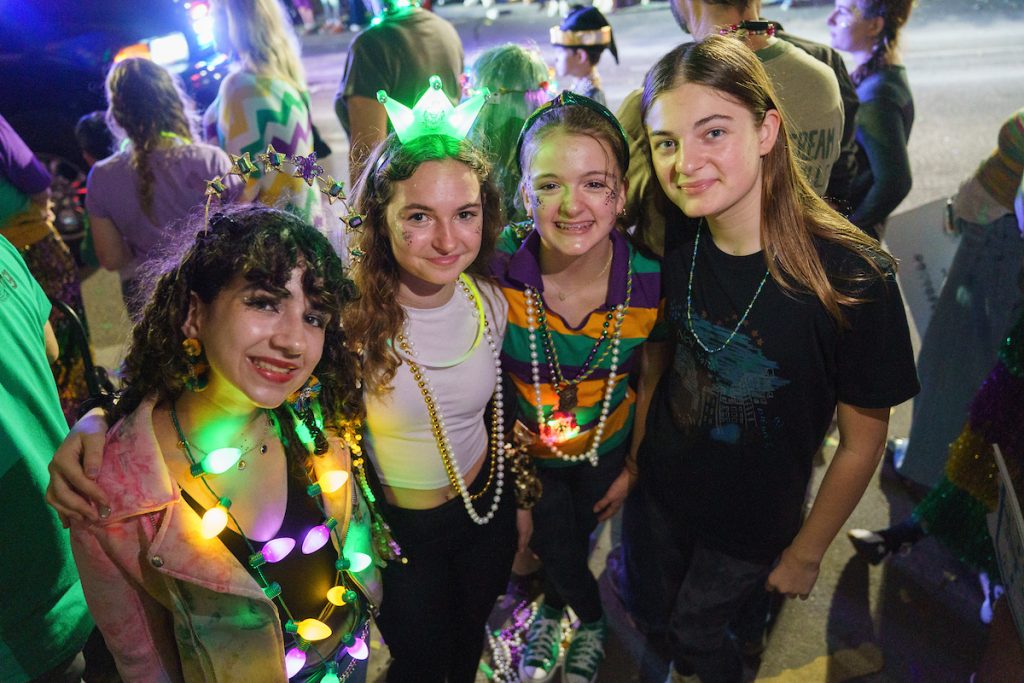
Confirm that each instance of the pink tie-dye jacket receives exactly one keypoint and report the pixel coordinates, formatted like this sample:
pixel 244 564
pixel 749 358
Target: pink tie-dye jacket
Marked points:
pixel 172 605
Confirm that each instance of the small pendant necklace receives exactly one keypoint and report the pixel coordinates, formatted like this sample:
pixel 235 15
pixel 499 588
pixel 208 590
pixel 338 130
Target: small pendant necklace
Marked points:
pixel 563 295
pixel 689 303
pixel 245 448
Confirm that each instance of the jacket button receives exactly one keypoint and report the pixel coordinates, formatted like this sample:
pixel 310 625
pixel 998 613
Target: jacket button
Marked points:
pixel 156 561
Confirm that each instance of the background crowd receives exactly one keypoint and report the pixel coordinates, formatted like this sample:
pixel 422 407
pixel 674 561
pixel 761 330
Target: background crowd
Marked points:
pixel 529 315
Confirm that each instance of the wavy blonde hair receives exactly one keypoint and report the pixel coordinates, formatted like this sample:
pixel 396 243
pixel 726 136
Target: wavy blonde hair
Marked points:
pixel 376 318
pixel 792 214
pixel 263 38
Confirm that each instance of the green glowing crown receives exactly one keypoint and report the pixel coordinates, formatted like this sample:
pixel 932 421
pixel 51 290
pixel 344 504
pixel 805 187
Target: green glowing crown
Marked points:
pixel 433 114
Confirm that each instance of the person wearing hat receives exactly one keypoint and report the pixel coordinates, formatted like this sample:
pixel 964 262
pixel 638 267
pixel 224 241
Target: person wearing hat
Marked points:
pixel 581 39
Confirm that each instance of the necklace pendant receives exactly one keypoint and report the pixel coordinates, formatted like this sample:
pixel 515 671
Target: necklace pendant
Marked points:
pixel 562 296
pixel 567 398
pixel 242 464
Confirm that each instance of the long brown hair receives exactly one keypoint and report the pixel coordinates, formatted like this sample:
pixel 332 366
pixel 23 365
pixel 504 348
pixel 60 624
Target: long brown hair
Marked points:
pixel 264 245
pixel 147 103
pixel 376 318
pixel 894 14
pixel 792 214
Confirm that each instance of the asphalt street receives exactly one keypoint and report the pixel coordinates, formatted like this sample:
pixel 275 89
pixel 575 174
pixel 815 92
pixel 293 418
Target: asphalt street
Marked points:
pixel 914 618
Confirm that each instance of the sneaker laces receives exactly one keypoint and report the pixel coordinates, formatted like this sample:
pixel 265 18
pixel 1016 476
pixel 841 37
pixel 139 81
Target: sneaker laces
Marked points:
pixel 586 649
pixel 542 641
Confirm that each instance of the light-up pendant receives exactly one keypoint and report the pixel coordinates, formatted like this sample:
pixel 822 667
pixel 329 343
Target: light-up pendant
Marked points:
pixel 215 519
pixel 329 482
pixel 294 661
pixel 216 461
pixel 318 536
pixel 308 629
pixel 341 596
pixel 559 428
pixel 358 649
pixel 331 675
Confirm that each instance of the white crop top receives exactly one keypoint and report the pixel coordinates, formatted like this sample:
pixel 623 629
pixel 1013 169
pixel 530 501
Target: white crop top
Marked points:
pixel 399 441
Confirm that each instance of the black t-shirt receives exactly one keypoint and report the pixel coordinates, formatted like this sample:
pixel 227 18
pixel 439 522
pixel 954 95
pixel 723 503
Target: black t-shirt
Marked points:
pixel 731 435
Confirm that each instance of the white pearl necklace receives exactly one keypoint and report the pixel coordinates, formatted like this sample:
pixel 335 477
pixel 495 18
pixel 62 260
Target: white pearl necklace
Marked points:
pixel 532 304
pixel 444 445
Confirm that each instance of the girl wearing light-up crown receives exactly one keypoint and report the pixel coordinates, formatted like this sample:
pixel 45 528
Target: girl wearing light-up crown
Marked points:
pixel 234 545
pixel 582 303
pixel 430 325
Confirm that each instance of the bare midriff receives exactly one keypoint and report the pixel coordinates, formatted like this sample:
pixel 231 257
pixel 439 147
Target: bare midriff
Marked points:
pixel 428 499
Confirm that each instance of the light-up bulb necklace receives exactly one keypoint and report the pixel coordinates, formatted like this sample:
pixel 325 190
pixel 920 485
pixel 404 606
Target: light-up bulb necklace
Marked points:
pixel 302 633
pixel 561 425
pixel 440 432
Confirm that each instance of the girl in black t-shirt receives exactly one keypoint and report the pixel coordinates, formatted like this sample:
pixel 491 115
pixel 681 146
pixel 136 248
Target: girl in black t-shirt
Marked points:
pixel 782 311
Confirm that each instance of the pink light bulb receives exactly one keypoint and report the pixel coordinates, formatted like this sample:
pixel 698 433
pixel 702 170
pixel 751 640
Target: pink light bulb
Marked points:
pixel 294 661
pixel 316 539
pixel 277 549
pixel 358 649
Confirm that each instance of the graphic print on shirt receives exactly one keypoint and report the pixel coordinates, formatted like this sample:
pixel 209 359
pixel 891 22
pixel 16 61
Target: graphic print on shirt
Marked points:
pixel 726 392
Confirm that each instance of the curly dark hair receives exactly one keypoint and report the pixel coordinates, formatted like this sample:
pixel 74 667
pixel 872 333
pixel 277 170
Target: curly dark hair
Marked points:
pixel 264 245
pixel 377 318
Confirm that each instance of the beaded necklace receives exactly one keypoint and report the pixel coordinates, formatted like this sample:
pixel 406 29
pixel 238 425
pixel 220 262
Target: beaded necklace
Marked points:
pixel 302 633
pixel 440 432
pixel 689 303
pixel 748 28
pixel 562 424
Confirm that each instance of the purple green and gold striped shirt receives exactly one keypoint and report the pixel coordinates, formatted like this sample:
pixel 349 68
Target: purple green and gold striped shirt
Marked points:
pixel 516 267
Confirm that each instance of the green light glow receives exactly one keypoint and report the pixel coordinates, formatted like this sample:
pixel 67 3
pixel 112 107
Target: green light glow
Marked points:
pixel 433 113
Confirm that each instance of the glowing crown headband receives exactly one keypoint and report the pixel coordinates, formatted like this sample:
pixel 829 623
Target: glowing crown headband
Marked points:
pixel 304 167
pixel 433 114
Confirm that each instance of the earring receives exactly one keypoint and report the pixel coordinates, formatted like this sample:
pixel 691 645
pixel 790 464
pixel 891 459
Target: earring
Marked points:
pixel 198 369
pixel 302 397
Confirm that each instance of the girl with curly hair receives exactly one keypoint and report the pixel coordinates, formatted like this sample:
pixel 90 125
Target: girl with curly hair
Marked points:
pixel 232 529
pixel 145 190
pixel 430 324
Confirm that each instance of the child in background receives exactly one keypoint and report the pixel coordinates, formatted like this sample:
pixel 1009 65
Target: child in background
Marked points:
pixel 580 40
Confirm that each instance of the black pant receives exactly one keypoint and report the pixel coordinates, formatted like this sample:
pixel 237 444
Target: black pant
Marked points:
pixel 563 520
pixel 435 607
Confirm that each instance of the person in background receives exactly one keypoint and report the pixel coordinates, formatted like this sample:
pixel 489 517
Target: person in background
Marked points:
pixel 139 195
pixel 807 89
pixel 398 54
pixel 978 302
pixel 45 621
pixel 518 80
pixel 265 102
pixel 579 42
pixel 869 30
pixel 26 220
pixel 94 137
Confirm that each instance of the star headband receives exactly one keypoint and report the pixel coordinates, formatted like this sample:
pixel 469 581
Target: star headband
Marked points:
pixel 433 114
pixel 305 167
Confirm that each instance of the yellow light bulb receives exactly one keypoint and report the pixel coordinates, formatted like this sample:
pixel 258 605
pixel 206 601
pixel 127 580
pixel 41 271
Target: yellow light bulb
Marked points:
pixel 313 630
pixel 332 481
pixel 215 519
pixel 337 596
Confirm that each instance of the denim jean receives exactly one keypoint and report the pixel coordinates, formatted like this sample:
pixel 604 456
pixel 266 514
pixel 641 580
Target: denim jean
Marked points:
pixel 979 301
pixel 563 520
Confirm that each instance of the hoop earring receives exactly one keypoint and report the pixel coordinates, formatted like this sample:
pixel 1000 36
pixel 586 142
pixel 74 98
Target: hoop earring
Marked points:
pixel 198 370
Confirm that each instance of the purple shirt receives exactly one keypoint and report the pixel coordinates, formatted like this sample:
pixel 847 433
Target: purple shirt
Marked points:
pixel 21 174
pixel 179 185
